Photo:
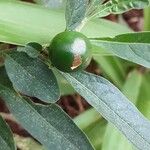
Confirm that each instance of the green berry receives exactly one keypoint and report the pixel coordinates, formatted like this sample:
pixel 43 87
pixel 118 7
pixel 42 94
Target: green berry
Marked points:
pixel 70 51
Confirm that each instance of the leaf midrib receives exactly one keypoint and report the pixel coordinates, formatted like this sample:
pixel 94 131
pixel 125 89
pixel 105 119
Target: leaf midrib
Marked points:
pixel 42 118
pixel 116 42
pixel 46 122
pixel 29 73
pixel 10 148
pixel 110 109
pixel 130 47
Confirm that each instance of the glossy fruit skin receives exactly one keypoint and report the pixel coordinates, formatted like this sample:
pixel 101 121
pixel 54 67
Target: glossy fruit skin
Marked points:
pixel 70 51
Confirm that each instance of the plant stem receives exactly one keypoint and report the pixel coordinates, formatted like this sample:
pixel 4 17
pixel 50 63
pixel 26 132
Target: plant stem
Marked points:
pixel 147 19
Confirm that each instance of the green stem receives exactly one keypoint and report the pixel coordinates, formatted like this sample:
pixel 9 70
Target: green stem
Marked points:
pixel 147 19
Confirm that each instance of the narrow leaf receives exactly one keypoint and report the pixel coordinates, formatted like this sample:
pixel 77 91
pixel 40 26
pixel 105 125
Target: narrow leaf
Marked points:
pixel 146 19
pixel 46 21
pixel 40 19
pixel 87 118
pixel 113 106
pixel 132 86
pixel 119 6
pixel 144 97
pixel 75 13
pixel 113 138
pixel 32 49
pixel 134 47
pixel 112 68
pixel 96 133
pixel 49 124
pixel 32 77
pixel 55 128
pixel 6 137
pixel 64 86
pixel 51 3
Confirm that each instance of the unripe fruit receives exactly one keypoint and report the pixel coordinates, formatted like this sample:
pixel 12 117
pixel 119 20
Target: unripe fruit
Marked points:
pixel 70 51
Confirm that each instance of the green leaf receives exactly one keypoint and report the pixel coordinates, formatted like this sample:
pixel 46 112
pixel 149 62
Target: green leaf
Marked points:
pixel 98 52
pixel 75 13
pixel 19 28
pixel 134 78
pixel 4 78
pixel 55 128
pixel 40 19
pixel 92 123
pixel 49 124
pixel 113 138
pixel 51 3
pixel 103 28
pixel 64 86
pixel 146 19
pixel 113 106
pixel 144 97
pixel 112 68
pixel 32 49
pixel 134 47
pixel 87 118
pixel 32 77
pixel 6 136
pixel 51 128
pixel 96 133
pixel 118 7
